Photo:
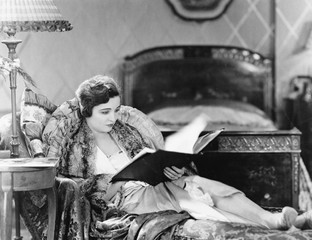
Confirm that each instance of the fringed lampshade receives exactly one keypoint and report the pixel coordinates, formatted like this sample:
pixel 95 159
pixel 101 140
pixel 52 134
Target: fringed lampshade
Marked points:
pixel 31 15
pixel 26 16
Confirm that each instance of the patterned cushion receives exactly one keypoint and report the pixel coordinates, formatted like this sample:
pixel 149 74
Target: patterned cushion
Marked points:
pixel 6 133
pixel 36 110
pixel 143 124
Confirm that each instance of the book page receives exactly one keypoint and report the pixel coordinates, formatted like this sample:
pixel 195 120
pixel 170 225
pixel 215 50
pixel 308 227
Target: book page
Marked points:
pixel 143 152
pixel 204 140
pixel 184 140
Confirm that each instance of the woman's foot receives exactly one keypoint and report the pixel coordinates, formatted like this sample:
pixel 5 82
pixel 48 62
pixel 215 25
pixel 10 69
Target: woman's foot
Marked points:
pixel 306 219
pixel 287 218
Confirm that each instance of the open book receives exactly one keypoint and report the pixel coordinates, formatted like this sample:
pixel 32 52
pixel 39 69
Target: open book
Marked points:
pixel 180 149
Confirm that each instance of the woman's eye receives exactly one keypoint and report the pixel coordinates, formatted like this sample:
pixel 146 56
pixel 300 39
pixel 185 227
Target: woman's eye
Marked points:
pixel 105 112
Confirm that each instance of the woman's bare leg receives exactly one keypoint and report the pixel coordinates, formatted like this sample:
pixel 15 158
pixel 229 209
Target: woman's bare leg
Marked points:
pixel 200 209
pixel 238 204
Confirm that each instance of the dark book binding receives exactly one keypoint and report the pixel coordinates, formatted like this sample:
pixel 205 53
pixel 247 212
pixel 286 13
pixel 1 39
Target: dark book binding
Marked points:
pixel 149 167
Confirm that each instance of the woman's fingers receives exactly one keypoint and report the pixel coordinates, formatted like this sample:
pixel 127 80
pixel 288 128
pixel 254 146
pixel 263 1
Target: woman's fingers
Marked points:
pixel 169 174
pixel 173 172
pixel 178 170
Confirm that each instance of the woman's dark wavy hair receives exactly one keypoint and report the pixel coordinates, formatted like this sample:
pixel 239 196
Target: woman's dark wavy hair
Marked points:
pixel 95 91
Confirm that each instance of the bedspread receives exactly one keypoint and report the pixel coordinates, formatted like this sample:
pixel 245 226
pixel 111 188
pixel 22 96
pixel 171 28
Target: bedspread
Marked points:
pixel 208 230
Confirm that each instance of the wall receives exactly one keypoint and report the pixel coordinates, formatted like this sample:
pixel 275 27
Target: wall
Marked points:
pixel 106 31
pixel 293 58
pixel 293 24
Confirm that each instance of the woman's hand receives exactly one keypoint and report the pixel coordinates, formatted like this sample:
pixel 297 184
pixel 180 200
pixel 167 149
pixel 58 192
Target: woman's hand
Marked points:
pixel 173 173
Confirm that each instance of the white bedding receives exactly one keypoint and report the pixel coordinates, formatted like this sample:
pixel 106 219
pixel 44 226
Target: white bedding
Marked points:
pixel 231 115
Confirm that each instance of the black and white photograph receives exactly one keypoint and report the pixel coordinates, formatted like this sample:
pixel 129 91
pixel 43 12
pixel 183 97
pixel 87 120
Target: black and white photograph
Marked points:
pixel 155 119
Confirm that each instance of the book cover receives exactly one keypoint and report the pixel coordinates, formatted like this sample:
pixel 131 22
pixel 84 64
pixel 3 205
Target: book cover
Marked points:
pixel 180 149
pixel 149 167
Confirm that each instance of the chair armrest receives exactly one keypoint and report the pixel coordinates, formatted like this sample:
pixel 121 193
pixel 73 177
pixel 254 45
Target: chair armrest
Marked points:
pixel 69 196
pixel 67 183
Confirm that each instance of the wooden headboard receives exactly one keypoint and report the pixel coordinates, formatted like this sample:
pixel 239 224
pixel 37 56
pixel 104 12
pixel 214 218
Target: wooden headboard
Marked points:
pixel 154 76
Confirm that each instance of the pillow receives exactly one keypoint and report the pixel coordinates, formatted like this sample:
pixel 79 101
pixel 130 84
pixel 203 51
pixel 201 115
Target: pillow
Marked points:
pixel 232 115
pixel 145 125
pixel 6 135
pixel 36 110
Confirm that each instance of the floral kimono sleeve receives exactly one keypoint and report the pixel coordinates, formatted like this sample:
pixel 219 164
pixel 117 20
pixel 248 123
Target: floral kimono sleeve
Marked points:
pixel 63 124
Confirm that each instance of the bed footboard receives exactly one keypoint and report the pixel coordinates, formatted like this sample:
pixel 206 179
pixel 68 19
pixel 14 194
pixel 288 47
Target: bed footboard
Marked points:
pixel 264 165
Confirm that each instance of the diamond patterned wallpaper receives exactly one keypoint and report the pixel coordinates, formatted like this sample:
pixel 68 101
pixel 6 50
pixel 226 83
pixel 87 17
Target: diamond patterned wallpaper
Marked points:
pixel 106 31
pixel 294 25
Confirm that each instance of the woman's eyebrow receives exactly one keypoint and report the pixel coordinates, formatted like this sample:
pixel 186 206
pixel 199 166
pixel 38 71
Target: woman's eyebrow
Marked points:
pixel 107 108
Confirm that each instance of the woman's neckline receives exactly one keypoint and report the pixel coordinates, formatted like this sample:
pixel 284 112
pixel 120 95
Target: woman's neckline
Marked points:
pixel 113 154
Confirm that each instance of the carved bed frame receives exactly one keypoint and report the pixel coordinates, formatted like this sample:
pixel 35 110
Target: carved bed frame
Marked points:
pixel 222 71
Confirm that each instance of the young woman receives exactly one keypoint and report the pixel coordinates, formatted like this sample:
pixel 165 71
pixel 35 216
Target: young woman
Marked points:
pixel 94 135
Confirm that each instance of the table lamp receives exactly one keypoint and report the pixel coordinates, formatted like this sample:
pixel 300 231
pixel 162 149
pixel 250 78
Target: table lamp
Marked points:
pixel 26 16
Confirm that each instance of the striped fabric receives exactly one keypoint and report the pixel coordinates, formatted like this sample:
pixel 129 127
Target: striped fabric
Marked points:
pixel 32 15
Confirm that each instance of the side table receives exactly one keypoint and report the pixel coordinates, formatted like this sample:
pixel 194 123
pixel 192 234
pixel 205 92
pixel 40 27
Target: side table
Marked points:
pixel 26 174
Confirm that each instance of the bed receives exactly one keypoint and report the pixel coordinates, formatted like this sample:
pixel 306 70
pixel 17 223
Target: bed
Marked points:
pixel 234 87
pixel 172 84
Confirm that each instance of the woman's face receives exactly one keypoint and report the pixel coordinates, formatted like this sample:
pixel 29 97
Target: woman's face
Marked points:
pixel 104 116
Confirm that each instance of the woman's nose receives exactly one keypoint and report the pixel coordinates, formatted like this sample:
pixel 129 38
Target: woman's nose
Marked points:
pixel 113 117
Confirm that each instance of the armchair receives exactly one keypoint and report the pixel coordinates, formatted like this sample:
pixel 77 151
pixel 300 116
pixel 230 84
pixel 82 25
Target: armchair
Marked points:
pixel 34 201
pixel 74 217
